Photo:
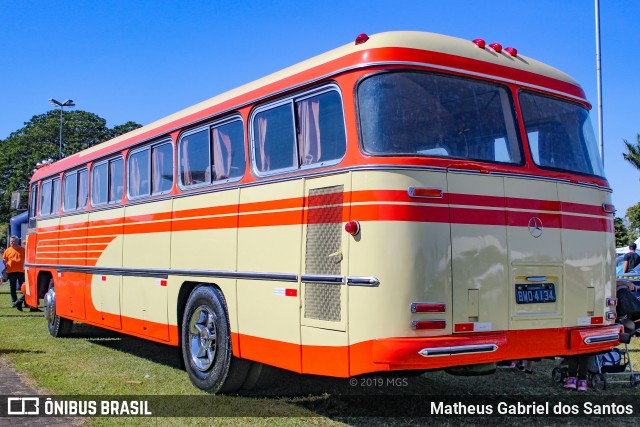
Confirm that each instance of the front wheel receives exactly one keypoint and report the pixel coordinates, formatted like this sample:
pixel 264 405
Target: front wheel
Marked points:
pixel 59 327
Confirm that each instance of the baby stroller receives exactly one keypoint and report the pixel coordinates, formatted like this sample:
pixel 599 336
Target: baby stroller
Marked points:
pixel 612 366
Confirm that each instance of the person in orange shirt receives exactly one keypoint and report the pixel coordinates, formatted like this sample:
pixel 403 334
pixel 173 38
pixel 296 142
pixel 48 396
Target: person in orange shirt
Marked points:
pixel 13 259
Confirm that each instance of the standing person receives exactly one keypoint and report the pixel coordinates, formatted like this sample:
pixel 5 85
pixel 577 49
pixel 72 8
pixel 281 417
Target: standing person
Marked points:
pixel 631 259
pixel 13 259
pixel 578 370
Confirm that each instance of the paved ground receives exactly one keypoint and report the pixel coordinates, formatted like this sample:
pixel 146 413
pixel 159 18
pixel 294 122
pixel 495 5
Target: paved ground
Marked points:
pixel 13 383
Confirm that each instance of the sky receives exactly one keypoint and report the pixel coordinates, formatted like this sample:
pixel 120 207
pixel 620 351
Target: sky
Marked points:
pixel 145 59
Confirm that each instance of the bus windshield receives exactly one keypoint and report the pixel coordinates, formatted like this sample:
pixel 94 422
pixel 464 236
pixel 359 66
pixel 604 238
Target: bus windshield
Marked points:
pixel 426 114
pixel 560 134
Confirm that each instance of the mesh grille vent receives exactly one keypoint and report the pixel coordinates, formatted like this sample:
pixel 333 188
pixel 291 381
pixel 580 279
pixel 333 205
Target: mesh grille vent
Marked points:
pixel 323 252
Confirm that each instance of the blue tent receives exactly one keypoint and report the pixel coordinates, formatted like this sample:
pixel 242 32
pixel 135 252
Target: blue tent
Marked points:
pixel 15 224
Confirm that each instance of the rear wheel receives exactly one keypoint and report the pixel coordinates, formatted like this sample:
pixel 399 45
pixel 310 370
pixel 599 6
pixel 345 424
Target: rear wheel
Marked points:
pixel 599 382
pixel 59 327
pixel 206 343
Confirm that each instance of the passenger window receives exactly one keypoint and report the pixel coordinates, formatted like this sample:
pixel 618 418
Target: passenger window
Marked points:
pixel 228 151
pixel 74 190
pixel 274 139
pixel 162 168
pixel 33 202
pixel 83 188
pixel 99 184
pixel 194 159
pixel 306 131
pixel 70 191
pixel 55 202
pixel 45 198
pixel 139 174
pixel 321 133
pixel 116 180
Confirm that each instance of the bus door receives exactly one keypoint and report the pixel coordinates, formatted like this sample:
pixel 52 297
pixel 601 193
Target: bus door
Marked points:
pixel 479 251
pixel 146 246
pixel 269 234
pixel 73 252
pixel 104 249
pixel 536 286
pixel 324 268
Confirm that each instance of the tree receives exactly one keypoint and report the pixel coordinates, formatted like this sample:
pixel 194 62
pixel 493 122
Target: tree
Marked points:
pixel 623 238
pixel 39 139
pixel 633 152
pixel 633 215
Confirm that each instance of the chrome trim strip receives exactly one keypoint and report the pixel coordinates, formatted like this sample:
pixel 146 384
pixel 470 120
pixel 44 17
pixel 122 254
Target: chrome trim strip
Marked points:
pixel 318 278
pixel 363 281
pixel 458 350
pixel 598 339
pixel 537 279
pixel 162 273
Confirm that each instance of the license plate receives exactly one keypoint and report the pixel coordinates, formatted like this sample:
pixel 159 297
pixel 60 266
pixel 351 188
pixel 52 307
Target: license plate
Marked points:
pixel 537 293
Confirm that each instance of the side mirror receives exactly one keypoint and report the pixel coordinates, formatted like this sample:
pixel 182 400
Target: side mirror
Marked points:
pixel 15 200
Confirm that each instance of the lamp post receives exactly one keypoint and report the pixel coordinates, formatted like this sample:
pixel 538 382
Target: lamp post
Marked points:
pixel 67 103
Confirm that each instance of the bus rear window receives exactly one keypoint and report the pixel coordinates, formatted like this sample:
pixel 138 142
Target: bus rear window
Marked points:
pixel 423 114
pixel 560 134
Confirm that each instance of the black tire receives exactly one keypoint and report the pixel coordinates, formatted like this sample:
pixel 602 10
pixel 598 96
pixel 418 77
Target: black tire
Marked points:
pixel 206 343
pixel 598 382
pixel 59 327
pixel 260 376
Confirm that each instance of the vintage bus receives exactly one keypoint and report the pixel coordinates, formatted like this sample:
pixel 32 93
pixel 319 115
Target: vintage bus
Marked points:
pixel 409 201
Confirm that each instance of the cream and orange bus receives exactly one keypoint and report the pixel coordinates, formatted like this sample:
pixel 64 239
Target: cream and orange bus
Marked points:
pixel 409 201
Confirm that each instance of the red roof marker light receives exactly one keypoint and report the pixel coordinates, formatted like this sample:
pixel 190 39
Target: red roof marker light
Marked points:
pixel 496 46
pixel 362 38
pixel 480 43
pixel 512 51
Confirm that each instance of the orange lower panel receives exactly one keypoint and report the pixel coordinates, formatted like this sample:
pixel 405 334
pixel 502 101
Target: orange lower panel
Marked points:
pixel 404 353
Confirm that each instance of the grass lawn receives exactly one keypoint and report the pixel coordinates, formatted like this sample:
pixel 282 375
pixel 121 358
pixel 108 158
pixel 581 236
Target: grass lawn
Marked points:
pixel 95 362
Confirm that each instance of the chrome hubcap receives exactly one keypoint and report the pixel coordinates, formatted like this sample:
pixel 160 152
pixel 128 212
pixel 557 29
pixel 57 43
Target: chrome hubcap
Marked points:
pixel 50 305
pixel 203 338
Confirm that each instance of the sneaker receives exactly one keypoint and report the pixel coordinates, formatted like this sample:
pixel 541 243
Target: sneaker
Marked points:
pixel 570 383
pixel 513 365
pixel 520 367
pixel 35 310
pixel 18 305
pixel 582 385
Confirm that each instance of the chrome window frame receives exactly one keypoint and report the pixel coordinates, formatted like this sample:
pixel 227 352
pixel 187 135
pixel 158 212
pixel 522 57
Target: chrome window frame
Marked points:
pixel 209 127
pixel 292 99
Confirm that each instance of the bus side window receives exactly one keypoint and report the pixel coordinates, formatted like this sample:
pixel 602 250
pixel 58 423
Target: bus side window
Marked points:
pixel 45 198
pixel 99 184
pixel 274 139
pixel 162 168
pixel 195 165
pixel 116 180
pixel 228 150
pixel 83 188
pixel 70 191
pixel 321 133
pixel 139 174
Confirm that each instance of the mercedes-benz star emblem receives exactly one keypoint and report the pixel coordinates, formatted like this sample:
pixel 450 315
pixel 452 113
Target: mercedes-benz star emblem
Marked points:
pixel 535 227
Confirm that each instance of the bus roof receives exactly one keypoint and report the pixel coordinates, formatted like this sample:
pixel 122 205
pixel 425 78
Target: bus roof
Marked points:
pixel 462 54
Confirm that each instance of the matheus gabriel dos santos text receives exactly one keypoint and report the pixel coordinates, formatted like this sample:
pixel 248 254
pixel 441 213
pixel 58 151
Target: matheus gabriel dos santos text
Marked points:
pixel 533 408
